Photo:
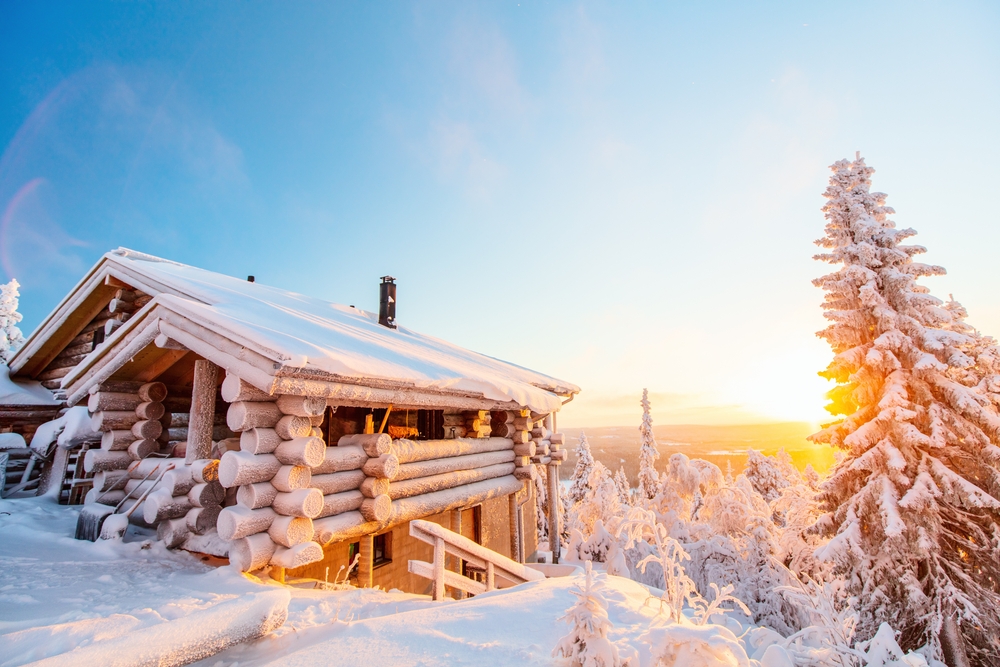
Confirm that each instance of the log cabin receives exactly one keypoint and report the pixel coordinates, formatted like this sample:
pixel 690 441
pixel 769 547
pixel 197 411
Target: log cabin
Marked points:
pixel 300 435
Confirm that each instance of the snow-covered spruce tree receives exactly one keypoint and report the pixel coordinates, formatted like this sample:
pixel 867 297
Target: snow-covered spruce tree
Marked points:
pixel 10 336
pixel 587 644
pixel 621 481
pixel 581 474
pixel 913 506
pixel 648 477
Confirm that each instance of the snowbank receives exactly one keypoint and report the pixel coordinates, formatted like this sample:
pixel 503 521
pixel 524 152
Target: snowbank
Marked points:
pixel 199 635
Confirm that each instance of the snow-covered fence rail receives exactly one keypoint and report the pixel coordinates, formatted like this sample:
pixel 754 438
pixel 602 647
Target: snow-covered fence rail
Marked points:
pixel 447 542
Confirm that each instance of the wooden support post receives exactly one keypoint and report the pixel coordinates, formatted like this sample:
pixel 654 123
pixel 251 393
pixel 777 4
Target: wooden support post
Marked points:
pixel 369 424
pixel 555 543
pixel 366 551
pixel 202 411
pixel 515 528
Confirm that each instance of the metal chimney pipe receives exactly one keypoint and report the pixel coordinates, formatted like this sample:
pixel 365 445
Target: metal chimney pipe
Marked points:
pixel 387 302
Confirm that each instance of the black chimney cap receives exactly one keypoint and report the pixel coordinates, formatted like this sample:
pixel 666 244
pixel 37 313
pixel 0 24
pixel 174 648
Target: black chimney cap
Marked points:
pixel 387 302
pixel 250 279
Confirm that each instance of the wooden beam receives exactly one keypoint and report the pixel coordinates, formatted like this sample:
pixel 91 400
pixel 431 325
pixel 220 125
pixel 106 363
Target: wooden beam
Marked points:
pixel 199 439
pixel 156 368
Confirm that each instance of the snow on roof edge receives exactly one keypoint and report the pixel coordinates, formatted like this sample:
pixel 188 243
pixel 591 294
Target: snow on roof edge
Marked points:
pixel 24 392
pixel 322 335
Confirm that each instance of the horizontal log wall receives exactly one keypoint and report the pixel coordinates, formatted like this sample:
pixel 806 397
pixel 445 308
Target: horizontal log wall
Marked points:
pixel 363 484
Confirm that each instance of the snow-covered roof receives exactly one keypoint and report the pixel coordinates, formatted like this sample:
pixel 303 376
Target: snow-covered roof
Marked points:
pixel 303 332
pixel 23 392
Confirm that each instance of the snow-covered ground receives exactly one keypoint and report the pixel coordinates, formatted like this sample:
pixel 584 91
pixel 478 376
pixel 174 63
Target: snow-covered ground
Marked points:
pixel 58 593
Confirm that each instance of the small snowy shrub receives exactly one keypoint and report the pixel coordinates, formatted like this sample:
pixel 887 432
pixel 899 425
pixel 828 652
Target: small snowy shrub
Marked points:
pixel 601 502
pixel 684 645
pixel 767 477
pixel 640 526
pixel 587 644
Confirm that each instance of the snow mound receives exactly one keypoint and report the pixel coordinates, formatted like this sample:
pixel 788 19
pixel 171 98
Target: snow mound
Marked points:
pixel 183 641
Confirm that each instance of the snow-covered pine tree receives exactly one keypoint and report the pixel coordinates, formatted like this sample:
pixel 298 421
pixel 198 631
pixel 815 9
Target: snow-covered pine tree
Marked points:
pixel 10 336
pixel 621 481
pixel 581 474
pixel 914 505
pixel 649 479
pixel 587 644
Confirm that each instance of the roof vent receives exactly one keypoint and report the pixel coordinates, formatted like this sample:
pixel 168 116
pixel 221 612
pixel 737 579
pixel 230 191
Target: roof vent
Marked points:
pixel 387 302
pixel 250 279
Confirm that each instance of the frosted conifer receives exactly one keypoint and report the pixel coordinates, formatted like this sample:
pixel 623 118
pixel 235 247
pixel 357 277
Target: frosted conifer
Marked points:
pixel 10 336
pixel 581 474
pixel 648 477
pixel 621 481
pixel 587 644
pixel 914 505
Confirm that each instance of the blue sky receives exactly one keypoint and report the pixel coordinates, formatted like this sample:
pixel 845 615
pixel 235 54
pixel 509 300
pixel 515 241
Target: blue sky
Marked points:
pixel 623 196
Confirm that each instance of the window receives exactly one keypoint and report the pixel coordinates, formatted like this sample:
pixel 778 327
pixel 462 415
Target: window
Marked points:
pixel 382 549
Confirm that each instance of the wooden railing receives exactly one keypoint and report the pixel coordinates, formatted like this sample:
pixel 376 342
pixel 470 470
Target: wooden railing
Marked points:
pixel 446 542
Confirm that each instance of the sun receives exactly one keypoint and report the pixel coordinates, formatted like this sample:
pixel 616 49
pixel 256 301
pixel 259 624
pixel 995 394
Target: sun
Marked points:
pixel 785 386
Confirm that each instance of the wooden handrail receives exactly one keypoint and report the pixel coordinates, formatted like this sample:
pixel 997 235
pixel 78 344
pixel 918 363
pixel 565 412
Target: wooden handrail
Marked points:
pixel 447 542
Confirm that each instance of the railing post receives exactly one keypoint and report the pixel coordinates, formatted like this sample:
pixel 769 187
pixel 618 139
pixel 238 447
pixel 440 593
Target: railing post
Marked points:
pixel 438 568
pixel 456 527
pixel 490 577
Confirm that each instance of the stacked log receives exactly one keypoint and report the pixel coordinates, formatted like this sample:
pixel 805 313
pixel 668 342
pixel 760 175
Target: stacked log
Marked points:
pixel 477 423
pixel 524 447
pixel 136 420
pixel 557 447
pixel 420 476
pixel 124 304
pixel 272 521
pixel 130 419
pixel 371 496
pixel 454 425
pixel 502 424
